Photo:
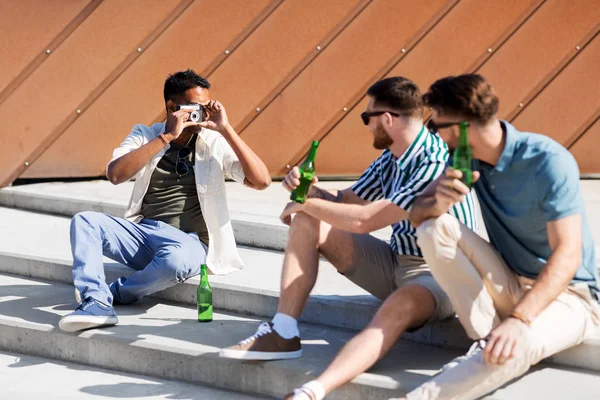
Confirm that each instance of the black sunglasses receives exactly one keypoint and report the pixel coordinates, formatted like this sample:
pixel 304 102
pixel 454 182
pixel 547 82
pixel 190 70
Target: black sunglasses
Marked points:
pixel 366 116
pixel 434 128
pixel 181 167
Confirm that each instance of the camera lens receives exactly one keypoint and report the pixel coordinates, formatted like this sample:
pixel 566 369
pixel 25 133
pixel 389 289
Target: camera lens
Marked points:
pixel 194 116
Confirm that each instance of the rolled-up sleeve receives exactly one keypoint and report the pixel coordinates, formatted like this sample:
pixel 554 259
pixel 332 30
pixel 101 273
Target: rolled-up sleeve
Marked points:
pixel 426 173
pixel 133 141
pixel 368 186
pixel 231 164
pixel 558 180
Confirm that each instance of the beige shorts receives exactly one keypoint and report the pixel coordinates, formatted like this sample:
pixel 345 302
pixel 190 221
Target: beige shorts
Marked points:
pixel 380 271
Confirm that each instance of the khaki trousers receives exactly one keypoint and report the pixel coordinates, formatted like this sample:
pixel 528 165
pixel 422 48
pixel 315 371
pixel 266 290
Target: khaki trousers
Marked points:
pixel 483 292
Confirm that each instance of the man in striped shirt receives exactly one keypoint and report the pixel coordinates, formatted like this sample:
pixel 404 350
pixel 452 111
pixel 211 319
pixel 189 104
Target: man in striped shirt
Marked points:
pixel 337 226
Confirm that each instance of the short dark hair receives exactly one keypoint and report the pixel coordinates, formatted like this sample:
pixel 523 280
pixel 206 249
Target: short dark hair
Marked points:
pixel 469 96
pixel 399 94
pixel 177 83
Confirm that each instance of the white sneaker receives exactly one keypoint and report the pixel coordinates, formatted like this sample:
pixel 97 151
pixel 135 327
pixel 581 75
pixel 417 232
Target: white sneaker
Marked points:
pixel 475 348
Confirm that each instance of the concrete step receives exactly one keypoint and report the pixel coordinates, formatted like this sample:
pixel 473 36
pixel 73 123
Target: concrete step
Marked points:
pixel 254 214
pixel 166 341
pixel 37 245
pixel 27 377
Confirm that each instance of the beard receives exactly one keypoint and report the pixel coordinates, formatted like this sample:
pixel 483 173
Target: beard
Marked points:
pixel 381 140
pixel 192 130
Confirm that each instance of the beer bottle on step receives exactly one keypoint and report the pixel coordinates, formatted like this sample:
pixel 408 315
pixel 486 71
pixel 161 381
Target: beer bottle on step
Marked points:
pixel 205 308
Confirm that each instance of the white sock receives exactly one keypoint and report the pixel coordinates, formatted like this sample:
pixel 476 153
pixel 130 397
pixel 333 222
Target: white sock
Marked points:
pixel 313 387
pixel 285 326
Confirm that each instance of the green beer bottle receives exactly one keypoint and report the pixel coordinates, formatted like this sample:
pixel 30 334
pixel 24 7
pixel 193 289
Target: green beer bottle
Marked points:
pixel 463 157
pixel 307 173
pixel 205 307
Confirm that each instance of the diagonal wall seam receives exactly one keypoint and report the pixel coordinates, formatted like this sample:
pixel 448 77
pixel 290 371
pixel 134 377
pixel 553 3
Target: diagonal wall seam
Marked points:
pixel 220 59
pixel 582 130
pixel 505 37
pixel 101 88
pixel 304 63
pixel 564 63
pixel 359 95
pixel 54 44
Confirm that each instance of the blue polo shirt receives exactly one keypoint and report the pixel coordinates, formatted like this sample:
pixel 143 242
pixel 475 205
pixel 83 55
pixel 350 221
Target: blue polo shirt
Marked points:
pixel 536 180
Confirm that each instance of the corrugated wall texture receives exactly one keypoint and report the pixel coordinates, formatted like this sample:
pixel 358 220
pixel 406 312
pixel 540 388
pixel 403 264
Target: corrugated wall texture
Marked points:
pixel 76 75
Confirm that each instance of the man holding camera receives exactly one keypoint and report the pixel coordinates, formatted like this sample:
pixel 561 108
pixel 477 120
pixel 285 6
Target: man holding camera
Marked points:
pixel 177 217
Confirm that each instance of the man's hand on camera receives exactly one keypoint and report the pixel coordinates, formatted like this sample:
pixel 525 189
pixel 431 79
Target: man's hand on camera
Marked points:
pixel 176 122
pixel 217 117
pixel 292 179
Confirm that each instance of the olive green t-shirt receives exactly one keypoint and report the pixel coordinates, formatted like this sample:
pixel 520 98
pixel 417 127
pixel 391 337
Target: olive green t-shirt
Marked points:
pixel 173 199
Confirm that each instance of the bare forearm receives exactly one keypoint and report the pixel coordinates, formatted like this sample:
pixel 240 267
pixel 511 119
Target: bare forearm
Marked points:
pixel 551 282
pixel 348 217
pixel 255 170
pixel 421 210
pixel 125 167
pixel 336 196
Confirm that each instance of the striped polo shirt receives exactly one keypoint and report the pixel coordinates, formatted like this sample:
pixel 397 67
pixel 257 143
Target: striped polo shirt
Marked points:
pixel 402 179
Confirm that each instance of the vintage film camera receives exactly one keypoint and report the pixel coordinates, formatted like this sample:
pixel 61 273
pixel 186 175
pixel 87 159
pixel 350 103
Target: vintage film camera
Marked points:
pixel 196 114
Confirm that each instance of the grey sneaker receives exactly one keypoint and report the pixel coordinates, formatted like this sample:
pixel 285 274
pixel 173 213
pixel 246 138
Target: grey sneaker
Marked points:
pixel 265 344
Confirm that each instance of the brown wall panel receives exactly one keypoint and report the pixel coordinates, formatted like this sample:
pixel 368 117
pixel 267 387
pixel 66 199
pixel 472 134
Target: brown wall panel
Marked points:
pixel 537 47
pixel 347 149
pixel 333 78
pixel 273 63
pixel 75 69
pixel 136 96
pixel 550 113
pixel 26 27
pixel 254 69
pixel 586 148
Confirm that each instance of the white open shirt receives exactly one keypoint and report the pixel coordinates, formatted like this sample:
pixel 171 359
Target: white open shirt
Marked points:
pixel 214 160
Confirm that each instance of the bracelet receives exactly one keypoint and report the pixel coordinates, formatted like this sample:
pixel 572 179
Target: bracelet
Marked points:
pixel 521 318
pixel 163 138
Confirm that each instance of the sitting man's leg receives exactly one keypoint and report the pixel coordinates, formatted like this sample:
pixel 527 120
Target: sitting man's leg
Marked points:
pixel 483 291
pixel 308 237
pixel 176 257
pixel 408 307
pixel 411 297
pixel 93 235
pixel 163 256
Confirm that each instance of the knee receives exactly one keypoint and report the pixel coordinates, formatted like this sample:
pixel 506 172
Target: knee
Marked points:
pixel 305 226
pixel 436 232
pixel 177 263
pixel 303 221
pixel 408 307
pixel 84 220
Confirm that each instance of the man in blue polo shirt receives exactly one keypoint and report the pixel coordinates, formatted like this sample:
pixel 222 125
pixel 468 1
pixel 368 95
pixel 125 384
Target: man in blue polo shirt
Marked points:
pixel 532 291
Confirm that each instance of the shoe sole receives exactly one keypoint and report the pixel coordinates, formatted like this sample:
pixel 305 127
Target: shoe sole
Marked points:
pixel 79 323
pixel 259 355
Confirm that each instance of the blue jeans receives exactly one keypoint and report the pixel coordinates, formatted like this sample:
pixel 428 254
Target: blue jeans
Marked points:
pixel 162 255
